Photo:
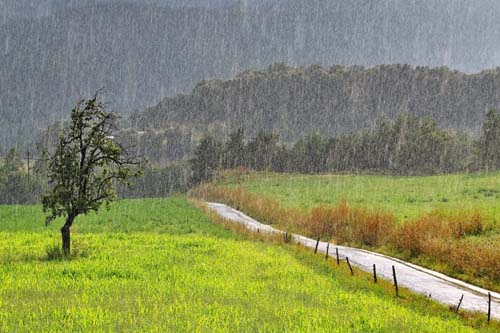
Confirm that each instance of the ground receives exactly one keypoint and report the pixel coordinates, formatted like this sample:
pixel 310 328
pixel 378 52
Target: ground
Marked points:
pixel 162 265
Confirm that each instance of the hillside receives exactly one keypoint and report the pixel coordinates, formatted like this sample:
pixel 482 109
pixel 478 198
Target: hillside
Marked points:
pixel 143 52
pixel 330 100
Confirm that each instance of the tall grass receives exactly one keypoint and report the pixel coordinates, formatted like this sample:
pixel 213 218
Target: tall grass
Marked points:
pixel 351 225
pixel 419 235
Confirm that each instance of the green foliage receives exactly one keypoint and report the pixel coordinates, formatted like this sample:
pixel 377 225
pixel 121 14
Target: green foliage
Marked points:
pixel 406 146
pixel 262 152
pixel 234 152
pixel 328 100
pixel 310 154
pixel 54 252
pixel 16 185
pixel 489 143
pixel 157 181
pixel 85 163
pixel 206 160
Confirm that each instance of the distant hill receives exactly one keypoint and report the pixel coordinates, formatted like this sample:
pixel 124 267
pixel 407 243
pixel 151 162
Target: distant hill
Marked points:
pixel 55 52
pixel 329 100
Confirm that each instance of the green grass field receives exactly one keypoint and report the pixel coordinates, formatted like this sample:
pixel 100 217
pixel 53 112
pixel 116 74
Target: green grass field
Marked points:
pixel 160 265
pixel 406 197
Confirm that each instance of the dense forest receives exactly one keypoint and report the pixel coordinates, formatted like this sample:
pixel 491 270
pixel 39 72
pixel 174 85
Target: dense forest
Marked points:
pixel 294 102
pixel 60 51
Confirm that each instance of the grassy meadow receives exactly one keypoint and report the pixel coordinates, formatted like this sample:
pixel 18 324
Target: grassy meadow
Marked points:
pixel 448 222
pixel 405 197
pixel 161 265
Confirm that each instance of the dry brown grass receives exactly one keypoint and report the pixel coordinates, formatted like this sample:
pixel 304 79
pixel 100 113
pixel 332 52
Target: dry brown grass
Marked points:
pixel 351 225
pixel 425 234
pixel 263 209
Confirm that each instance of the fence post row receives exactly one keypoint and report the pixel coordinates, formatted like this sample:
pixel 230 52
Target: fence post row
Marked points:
pixel 393 275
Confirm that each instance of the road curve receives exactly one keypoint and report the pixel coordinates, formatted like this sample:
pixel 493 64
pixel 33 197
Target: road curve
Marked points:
pixel 442 288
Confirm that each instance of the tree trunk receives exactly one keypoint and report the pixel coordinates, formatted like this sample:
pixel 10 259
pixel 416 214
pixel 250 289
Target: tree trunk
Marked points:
pixel 66 240
pixel 66 235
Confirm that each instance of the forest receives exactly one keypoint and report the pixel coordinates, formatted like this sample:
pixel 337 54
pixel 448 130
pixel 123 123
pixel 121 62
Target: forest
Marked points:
pixel 296 101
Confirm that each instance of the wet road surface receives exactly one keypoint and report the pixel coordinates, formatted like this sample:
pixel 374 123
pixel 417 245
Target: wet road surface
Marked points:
pixel 442 288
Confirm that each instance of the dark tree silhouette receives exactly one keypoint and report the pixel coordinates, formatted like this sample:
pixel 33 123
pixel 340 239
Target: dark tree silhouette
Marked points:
pixel 206 160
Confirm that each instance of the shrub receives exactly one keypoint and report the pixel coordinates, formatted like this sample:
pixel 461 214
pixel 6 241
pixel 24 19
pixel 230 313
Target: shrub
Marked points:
pixel 54 252
pixel 78 249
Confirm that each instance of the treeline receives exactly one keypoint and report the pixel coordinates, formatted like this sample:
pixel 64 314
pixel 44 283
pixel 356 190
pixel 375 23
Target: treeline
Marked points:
pixel 20 185
pixel 405 146
pixel 158 181
pixel 296 101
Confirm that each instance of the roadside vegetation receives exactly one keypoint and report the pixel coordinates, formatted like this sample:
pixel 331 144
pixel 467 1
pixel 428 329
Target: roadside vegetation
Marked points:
pixel 447 223
pixel 161 265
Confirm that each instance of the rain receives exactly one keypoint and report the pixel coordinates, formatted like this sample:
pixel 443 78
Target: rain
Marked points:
pixel 372 127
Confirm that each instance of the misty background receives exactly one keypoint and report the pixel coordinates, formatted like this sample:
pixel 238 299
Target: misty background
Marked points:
pixel 53 53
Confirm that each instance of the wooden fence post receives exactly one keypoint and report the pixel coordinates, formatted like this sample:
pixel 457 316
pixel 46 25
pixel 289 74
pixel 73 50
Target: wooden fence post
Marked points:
pixel 349 264
pixel 459 303
pixel 337 252
pixel 327 249
pixel 374 274
pixel 395 280
pixel 489 307
pixel 316 248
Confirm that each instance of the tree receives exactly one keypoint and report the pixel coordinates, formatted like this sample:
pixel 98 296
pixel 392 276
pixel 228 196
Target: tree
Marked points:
pixel 17 187
pixel 310 154
pixel 85 165
pixel 234 154
pixel 262 151
pixel 207 159
pixel 489 142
